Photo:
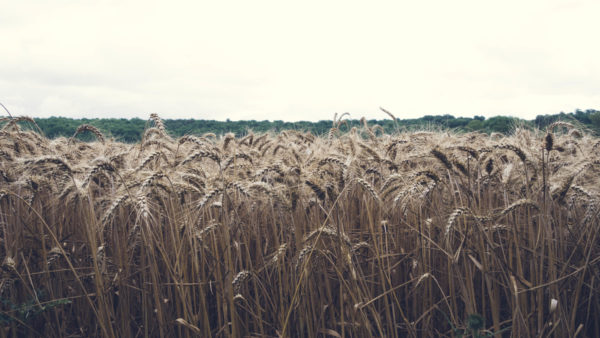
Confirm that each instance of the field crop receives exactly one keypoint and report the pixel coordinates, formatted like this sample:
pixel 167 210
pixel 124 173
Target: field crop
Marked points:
pixel 416 234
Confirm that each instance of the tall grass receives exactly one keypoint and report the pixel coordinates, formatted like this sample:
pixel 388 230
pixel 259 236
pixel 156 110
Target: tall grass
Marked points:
pixel 360 234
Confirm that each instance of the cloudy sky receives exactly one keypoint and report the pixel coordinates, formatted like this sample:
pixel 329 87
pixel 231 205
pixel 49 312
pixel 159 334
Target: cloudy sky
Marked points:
pixel 301 60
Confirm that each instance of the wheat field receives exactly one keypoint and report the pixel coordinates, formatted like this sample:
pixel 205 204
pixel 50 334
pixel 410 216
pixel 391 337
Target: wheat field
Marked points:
pixel 354 234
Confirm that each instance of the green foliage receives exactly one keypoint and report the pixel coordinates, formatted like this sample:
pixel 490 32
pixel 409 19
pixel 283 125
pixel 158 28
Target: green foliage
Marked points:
pixel 475 125
pixel 595 120
pixel 475 327
pixel 499 124
pixel 26 311
pixel 131 130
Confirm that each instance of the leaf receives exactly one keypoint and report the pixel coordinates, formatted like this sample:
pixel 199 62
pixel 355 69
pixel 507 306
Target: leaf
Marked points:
pixel 330 332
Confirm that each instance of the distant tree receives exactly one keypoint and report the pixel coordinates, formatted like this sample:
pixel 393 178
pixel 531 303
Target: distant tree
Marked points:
pixel 595 120
pixel 131 130
pixel 541 121
pixel 500 124
pixel 475 125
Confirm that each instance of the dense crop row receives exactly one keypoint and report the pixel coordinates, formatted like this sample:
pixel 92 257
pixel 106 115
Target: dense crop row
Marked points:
pixel 413 234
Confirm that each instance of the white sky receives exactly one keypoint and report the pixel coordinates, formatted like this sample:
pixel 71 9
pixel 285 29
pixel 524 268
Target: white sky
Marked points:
pixel 301 60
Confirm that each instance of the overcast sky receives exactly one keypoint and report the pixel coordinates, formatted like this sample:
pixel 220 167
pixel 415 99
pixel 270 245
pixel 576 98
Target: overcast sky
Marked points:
pixel 301 60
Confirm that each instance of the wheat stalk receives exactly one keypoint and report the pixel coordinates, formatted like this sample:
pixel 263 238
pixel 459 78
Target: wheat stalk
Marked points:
pixel 86 127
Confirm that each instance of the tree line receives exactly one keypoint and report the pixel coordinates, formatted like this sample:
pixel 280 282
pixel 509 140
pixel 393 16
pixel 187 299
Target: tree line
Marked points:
pixel 131 130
